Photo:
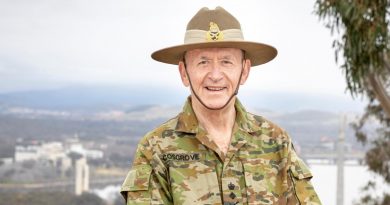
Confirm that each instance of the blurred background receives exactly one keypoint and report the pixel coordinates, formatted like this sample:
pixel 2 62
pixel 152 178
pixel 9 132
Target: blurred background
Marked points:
pixel 78 90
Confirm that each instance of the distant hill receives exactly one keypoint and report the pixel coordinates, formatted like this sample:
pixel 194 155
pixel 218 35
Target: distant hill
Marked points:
pixel 90 98
pixel 98 98
pixel 94 113
pixel 306 126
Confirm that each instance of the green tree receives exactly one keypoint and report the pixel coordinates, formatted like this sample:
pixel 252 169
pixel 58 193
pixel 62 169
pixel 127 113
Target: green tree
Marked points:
pixel 363 45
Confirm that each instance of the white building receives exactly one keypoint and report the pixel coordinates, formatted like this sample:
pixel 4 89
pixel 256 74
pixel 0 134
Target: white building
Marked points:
pixel 53 151
pixel 40 151
pixel 7 160
pixel 81 176
pixel 88 153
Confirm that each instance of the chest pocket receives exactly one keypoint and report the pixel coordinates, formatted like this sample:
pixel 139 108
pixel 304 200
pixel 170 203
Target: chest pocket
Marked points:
pixel 264 178
pixel 194 182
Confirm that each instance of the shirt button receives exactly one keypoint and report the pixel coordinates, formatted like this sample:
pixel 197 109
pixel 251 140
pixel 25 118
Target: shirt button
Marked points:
pixel 232 195
pixel 231 186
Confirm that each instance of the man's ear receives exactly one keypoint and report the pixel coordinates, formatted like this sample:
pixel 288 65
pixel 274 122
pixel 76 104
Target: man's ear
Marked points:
pixel 246 68
pixel 183 74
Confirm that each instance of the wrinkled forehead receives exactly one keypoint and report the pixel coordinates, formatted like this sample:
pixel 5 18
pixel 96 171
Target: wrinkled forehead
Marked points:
pixel 214 52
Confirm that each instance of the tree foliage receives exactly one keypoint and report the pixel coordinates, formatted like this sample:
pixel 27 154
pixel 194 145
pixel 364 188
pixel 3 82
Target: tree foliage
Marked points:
pixel 363 44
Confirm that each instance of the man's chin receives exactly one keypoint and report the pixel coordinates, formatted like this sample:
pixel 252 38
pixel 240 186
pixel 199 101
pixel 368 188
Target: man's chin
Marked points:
pixel 213 107
pixel 216 105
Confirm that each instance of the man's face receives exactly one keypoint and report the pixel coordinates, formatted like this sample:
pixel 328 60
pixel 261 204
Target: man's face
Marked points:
pixel 214 74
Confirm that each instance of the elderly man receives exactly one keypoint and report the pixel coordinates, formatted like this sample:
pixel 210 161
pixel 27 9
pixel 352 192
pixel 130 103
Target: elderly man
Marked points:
pixel 214 152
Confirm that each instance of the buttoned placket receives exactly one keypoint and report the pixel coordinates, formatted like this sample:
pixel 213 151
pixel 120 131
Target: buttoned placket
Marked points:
pixel 228 166
pixel 232 170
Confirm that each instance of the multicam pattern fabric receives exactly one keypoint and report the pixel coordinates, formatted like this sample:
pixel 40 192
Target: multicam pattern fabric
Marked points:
pixel 178 164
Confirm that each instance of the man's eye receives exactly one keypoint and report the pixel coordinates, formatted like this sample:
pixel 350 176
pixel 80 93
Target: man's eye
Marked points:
pixel 202 62
pixel 227 62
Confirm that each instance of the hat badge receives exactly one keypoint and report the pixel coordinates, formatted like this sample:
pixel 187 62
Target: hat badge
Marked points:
pixel 214 34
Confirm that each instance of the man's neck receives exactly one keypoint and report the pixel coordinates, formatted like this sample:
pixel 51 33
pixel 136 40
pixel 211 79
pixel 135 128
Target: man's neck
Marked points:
pixel 218 123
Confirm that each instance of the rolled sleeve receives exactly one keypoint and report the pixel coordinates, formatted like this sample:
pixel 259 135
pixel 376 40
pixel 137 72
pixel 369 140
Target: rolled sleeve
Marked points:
pixel 146 182
pixel 300 176
pixel 135 188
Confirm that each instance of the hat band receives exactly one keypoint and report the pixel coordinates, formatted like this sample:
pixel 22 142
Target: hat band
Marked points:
pixel 200 36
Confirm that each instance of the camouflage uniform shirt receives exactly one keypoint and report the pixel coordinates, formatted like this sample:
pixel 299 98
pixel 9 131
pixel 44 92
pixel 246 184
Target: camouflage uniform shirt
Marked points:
pixel 178 164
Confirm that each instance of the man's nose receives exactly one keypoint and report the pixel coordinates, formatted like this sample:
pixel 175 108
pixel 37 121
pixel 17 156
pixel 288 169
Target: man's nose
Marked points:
pixel 216 73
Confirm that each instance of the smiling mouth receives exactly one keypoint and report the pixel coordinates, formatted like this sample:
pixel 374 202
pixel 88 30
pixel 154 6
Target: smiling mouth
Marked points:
pixel 215 88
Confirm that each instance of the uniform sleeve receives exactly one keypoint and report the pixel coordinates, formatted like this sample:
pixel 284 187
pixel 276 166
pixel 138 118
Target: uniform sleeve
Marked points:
pixel 146 182
pixel 300 176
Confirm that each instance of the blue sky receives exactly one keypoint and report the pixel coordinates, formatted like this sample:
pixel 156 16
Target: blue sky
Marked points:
pixel 46 44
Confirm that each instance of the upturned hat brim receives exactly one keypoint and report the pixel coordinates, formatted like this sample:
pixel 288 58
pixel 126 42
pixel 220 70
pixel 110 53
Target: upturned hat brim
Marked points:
pixel 257 53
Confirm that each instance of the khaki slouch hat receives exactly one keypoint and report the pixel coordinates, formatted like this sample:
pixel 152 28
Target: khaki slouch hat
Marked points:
pixel 215 29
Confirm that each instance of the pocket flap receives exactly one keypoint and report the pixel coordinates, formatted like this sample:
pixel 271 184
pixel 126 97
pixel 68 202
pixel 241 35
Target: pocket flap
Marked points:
pixel 137 179
pixel 300 170
pixel 303 189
